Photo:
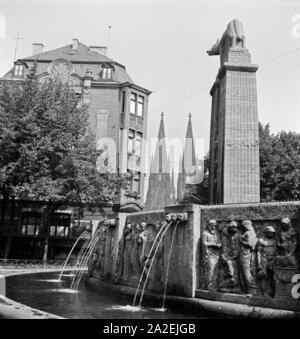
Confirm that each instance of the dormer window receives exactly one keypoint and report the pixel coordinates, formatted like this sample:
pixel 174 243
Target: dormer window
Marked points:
pixel 106 72
pixel 78 94
pixel 19 70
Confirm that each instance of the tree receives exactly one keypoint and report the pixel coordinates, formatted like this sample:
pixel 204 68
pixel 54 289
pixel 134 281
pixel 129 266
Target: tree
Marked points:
pixel 47 150
pixel 279 165
pixel 279 157
pixel 198 194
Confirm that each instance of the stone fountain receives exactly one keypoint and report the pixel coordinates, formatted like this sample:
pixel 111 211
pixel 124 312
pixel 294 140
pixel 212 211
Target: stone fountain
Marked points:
pixel 237 256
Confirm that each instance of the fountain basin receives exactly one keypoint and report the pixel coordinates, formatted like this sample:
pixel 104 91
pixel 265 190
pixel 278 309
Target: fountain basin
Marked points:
pixel 115 304
pixel 201 308
pixel 46 299
pixel 10 309
pixel 224 280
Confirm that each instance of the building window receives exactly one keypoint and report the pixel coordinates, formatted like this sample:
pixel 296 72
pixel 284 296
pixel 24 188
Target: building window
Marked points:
pixel 138 144
pixel 133 103
pixel 134 149
pixel 60 225
pixel 123 101
pixel 130 146
pixel 136 104
pixel 78 94
pixel 18 71
pixel 31 223
pixel 135 181
pixel 106 73
pixel 140 106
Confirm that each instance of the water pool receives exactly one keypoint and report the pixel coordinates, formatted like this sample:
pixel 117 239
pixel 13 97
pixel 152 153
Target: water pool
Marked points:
pixel 44 292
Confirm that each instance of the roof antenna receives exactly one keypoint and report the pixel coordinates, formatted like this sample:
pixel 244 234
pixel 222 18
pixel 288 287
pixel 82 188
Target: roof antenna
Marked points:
pixel 16 48
pixel 108 38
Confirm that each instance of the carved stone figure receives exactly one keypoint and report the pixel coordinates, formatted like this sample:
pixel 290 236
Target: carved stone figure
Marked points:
pixel 127 268
pixel 158 265
pixel 142 238
pixel 211 246
pixel 93 262
pixel 148 237
pixel 101 258
pixel 135 255
pixel 248 241
pixel 266 253
pixel 229 256
pixel 286 245
pixel 233 37
pixel 97 260
pixel 120 257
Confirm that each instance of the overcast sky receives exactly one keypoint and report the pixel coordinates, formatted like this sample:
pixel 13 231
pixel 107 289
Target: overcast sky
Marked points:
pixel 163 45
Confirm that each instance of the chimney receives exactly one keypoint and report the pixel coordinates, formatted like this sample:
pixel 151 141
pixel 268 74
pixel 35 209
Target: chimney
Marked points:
pixel 37 48
pixel 75 44
pixel 99 49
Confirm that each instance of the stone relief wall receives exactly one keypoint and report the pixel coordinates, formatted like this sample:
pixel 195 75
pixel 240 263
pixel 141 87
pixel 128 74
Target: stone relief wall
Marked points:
pixel 136 237
pixel 246 253
pixel 134 250
pixel 250 249
pixel 101 261
pixel 130 244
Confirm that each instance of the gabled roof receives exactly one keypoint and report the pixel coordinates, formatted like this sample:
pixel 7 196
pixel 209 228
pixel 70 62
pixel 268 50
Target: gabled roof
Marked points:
pixel 81 54
pixel 82 58
pixel 20 61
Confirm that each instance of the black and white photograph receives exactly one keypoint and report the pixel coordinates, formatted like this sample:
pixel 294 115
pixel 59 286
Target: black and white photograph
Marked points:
pixel 150 162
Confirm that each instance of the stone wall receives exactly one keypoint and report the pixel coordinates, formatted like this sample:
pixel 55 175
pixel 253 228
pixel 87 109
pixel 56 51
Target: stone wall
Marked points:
pixel 254 266
pixel 135 239
pixel 103 262
pixel 234 139
pixel 263 270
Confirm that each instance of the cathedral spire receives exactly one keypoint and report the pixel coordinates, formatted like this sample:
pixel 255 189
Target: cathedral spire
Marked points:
pixel 161 131
pixel 189 154
pixel 187 164
pixel 189 147
pixel 158 195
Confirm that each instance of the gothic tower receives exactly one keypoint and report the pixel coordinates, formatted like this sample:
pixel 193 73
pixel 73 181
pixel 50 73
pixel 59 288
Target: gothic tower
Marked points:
pixel 187 169
pixel 159 194
pixel 234 140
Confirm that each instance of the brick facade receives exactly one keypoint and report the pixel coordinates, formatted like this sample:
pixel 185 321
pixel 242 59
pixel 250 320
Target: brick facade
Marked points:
pixel 234 139
pixel 108 98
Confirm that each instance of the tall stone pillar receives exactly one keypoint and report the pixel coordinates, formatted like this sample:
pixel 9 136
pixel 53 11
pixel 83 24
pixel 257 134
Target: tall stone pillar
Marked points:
pixel 234 139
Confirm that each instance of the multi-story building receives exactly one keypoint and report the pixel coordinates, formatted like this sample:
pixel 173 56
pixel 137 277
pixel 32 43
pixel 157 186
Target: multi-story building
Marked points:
pixel 118 110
